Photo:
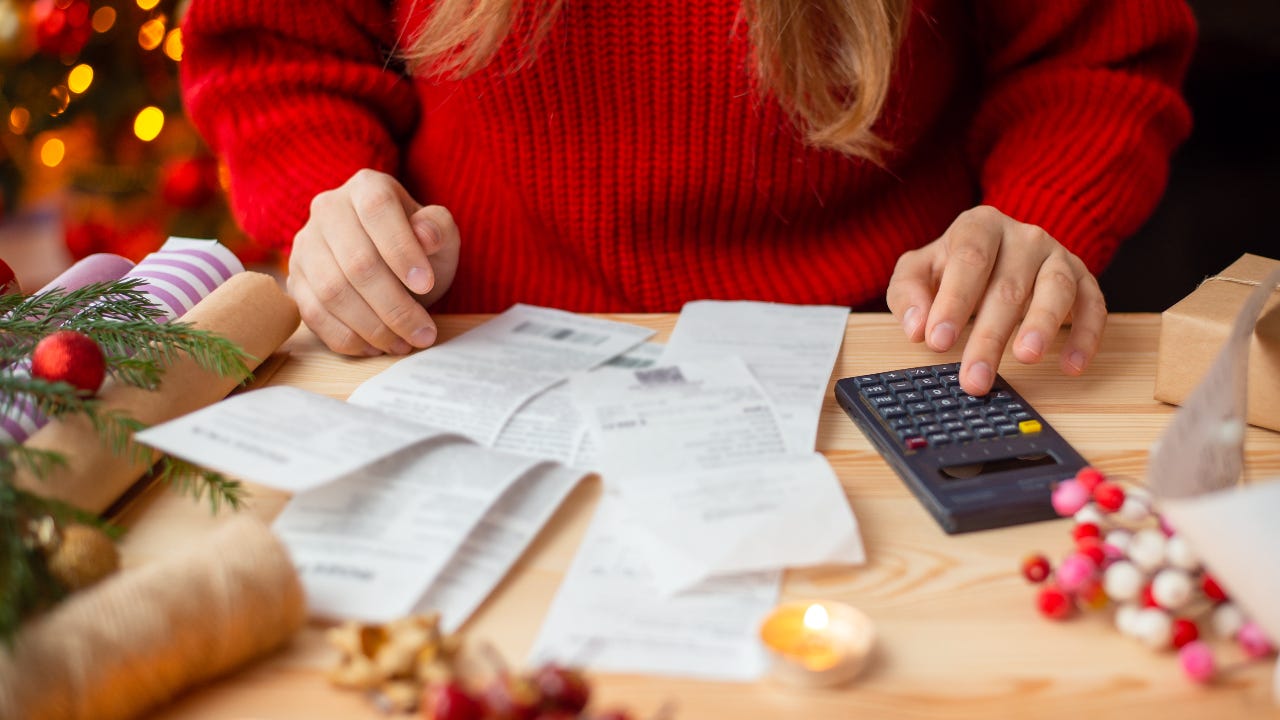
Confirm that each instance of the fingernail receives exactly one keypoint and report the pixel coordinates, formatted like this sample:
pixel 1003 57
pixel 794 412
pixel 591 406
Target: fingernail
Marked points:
pixel 943 335
pixel 1033 342
pixel 426 228
pixel 423 336
pixel 980 374
pixel 417 280
pixel 1077 360
pixel 400 347
pixel 911 320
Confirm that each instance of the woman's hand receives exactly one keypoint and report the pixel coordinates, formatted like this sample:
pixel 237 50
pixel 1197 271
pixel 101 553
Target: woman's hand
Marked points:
pixel 1001 272
pixel 368 262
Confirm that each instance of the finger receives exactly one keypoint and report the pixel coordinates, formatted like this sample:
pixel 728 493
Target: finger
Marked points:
pixel 1007 294
pixel 972 243
pixel 911 289
pixel 333 333
pixel 1055 294
pixel 1089 318
pixel 384 207
pixel 386 307
pixel 330 282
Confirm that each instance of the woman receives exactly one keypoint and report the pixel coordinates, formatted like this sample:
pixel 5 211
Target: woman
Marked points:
pixel 978 159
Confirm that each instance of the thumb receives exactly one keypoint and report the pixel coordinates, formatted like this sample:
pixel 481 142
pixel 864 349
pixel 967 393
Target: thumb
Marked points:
pixel 438 235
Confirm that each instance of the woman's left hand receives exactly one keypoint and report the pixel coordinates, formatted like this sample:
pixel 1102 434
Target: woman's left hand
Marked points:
pixel 1001 272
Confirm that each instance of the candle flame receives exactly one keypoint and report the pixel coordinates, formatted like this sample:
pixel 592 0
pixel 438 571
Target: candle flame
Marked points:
pixel 816 617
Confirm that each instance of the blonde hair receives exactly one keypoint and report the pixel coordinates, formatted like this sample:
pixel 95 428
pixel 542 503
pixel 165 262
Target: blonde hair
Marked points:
pixel 827 62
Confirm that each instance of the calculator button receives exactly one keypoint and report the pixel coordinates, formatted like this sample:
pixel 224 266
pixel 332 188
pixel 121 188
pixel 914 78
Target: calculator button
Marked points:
pixel 951 380
pixel 1014 407
pixel 1000 396
pixel 1024 415
pixel 928 382
pixel 932 429
pixel 920 372
pixel 1026 427
pixel 900 385
pixel 1007 429
pixel 919 408
pixel 939 439
pixel 875 390
pixel 926 418
pixel 971 400
pixel 892 411
pixel 998 419
pixel 971 413
pixel 948 416
pixel 979 423
pixel 900 422
pixel 984 433
pixel 962 436
pixel 953 426
pixel 879 400
pixel 911 396
pixel 865 380
pixel 892 376
pixel 937 393
pixel 915 443
pixel 946 403
pixel 947 368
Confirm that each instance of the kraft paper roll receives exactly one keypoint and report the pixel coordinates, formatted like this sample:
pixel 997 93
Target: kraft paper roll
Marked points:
pixel 136 639
pixel 250 310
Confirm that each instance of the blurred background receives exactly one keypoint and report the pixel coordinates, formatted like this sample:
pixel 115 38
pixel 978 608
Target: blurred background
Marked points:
pixel 98 157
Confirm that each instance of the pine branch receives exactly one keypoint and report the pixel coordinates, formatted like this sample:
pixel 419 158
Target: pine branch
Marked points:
pixel 35 461
pixel 139 349
pixel 196 481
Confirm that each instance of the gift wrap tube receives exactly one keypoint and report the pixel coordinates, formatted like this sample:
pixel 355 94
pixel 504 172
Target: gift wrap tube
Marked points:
pixel 139 637
pixel 95 268
pixel 250 310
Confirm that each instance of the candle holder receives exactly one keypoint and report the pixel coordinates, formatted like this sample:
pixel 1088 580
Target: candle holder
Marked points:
pixel 817 643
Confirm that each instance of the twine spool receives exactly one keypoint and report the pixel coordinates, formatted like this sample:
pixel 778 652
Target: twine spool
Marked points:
pixel 138 638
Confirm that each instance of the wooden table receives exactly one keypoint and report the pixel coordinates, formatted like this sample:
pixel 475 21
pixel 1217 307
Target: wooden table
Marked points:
pixel 958 632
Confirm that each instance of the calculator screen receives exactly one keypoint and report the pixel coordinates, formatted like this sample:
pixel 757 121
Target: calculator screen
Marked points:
pixel 973 470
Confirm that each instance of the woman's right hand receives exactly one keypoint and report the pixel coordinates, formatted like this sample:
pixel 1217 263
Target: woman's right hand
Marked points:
pixel 367 264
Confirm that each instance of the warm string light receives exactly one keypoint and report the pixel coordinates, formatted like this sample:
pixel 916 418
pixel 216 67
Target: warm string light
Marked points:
pixel 173 45
pixel 151 34
pixel 52 151
pixel 80 78
pixel 148 123
pixel 19 119
pixel 148 4
pixel 103 19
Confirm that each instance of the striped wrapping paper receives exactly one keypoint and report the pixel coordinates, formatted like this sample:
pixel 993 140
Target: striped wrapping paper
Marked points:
pixel 177 276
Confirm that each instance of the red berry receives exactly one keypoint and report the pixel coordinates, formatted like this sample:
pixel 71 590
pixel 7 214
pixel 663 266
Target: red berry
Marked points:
pixel 511 698
pixel 69 357
pixel 562 688
pixel 1091 547
pixel 451 701
pixel 1148 597
pixel 1084 530
pixel 1109 496
pixel 1053 603
pixel 1089 477
pixel 1036 568
pixel 1212 589
pixel 1184 631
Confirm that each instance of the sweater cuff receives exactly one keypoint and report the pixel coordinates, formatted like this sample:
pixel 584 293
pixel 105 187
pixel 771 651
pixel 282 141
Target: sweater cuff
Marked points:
pixel 1065 218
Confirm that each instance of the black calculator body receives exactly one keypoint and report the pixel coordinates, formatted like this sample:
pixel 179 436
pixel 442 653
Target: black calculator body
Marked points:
pixel 974 462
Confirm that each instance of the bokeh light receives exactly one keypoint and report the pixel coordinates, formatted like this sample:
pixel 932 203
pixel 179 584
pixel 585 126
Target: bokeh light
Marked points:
pixel 148 124
pixel 52 152
pixel 80 78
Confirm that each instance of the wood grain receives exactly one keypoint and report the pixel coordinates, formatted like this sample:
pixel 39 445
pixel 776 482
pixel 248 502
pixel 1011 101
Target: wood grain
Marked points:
pixel 958 633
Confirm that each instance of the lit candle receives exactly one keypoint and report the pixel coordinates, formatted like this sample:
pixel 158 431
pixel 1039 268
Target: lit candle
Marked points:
pixel 816 644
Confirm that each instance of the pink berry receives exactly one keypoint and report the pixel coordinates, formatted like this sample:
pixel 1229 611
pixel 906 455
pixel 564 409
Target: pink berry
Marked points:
pixel 1035 568
pixel 1089 477
pixel 1109 496
pixel 1197 661
pixel 1053 603
pixel 1184 631
pixel 1253 641
pixel 1076 569
pixel 1068 497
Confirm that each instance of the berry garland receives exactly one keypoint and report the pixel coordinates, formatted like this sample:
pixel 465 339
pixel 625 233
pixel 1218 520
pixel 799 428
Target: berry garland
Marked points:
pixel 56 348
pixel 1127 555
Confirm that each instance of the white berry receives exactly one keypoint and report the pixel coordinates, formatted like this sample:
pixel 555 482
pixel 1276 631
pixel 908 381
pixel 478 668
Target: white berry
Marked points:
pixel 1118 539
pixel 1122 581
pixel 1180 555
pixel 1127 619
pixel 1146 549
pixel 1227 620
pixel 1154 628
pixel 1171 588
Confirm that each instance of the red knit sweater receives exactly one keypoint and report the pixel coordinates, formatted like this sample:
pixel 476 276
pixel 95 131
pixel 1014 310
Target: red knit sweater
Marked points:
pixel 631 167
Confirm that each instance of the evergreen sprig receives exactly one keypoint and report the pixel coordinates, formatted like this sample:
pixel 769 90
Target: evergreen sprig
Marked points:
pixel 137 347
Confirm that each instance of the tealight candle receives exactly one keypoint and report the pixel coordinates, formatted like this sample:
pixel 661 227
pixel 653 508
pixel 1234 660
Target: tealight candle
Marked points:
pixel 817 644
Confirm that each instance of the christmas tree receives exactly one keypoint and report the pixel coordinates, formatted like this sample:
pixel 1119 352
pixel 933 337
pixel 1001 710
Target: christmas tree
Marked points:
pixel 89 94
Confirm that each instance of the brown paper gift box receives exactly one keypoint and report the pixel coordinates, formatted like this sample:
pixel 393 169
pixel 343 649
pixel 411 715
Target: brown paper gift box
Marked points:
pixel 1194 330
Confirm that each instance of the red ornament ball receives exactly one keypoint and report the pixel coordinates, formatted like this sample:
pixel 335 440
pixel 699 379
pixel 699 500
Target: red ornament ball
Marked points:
pixel 1035 568
pixel 1089 477
pixel 1084 530
pixel 1109 496
pixel 190 182
pixel 1053 603
pixel 1184 631
pixel 8 280
pixel 1091 547
pixel 70 357
pixel 1212 589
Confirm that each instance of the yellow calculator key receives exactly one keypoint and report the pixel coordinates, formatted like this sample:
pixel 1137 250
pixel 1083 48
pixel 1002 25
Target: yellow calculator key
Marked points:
pixel 1026 427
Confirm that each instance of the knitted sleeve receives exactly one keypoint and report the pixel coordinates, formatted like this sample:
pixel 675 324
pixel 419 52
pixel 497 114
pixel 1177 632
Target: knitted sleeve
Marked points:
pixel 295 96
pixel 1080 114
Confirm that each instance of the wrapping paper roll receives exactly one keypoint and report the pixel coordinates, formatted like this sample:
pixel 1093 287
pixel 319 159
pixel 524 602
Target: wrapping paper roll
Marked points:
pixel 98 267
pixel 138 638
pixel 250 310
pixel 177 276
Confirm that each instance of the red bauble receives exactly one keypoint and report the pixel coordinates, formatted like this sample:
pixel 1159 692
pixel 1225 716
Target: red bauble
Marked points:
pixel 1089 477
pixel 62 28
pixel 67 356
pixel 562 688
pixel 190 182
pixel 1184 631
pixel 8 280
pixel 451 701
pixel 1054 603
pixel 1108 496
pixel 1212 589
pixel 1035 568
pixel 1084 530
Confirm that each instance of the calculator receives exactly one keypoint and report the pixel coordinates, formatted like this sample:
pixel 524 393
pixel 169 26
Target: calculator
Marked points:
pixel 975 462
